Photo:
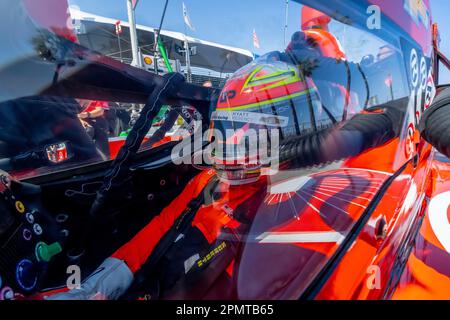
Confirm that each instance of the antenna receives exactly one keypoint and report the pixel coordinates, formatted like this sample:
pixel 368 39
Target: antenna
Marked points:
pixel 286 17
pixel 160 25
pixel 158 42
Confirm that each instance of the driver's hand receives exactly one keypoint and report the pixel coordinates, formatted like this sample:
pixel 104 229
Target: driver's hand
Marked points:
pixel 108 282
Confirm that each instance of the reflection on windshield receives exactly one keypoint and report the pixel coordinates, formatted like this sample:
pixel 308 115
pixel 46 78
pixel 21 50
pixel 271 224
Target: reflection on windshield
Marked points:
pixel 337 98
pixel 335 95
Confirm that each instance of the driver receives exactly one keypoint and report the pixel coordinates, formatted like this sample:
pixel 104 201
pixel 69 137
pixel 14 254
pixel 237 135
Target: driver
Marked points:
pixel 192 244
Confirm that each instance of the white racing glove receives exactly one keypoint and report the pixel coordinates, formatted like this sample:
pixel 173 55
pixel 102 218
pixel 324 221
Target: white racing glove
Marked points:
pixel 108 282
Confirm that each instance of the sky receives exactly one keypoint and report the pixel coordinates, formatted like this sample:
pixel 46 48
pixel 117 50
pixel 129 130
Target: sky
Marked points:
pixel 231 22
pixel 210 18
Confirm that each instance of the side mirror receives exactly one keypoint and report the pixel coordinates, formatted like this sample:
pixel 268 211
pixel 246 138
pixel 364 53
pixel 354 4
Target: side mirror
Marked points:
pixel 57 153
pixel 52 154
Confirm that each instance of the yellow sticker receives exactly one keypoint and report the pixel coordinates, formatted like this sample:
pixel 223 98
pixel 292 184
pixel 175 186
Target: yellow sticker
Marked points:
pixel 20 207
pixel 148 60
pixel 212 254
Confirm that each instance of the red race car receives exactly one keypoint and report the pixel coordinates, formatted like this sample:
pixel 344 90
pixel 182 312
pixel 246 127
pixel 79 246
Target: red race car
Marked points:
pixel 317 169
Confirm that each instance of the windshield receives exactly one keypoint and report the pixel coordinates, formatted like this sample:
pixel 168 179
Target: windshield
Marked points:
pixel 336 92
pixel 338 97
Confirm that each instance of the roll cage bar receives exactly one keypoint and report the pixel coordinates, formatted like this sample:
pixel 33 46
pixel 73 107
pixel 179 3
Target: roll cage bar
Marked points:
pixel 439 56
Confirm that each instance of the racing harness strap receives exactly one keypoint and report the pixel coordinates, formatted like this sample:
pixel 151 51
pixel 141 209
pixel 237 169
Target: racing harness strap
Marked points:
pixel 210 276
pixel 181 224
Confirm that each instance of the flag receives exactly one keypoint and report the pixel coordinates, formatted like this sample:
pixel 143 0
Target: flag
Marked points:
pixel 255 40
pixel 187 20
pixel 134 3
pixel 388 81
pixel 118 27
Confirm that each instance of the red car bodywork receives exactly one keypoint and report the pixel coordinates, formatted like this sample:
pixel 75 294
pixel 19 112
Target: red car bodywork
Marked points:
pixel 373 266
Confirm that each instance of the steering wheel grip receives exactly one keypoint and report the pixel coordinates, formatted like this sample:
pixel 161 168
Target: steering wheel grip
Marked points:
pixel 119 170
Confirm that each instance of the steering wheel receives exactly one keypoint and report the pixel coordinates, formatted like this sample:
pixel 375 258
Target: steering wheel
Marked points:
pixel 119 172
pixel 29 238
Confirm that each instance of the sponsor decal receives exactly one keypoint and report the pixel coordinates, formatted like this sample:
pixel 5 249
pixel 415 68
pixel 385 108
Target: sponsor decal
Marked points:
pixel 227 95
pixel 423 73
pixel 251 117
pixel 430 90
pixel 148 60
pixel 438 215
pixel 423 91
pixel 414 64
pixel 214 252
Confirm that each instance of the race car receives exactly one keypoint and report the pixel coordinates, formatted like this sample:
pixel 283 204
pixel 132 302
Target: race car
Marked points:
pixel 318 171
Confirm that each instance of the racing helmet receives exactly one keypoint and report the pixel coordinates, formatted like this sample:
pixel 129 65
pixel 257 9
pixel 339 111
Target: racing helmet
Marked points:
pixel 314 19
pixel 260 106
pixel 315 33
